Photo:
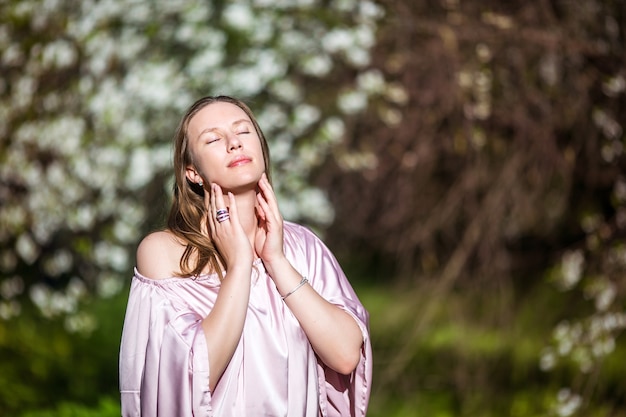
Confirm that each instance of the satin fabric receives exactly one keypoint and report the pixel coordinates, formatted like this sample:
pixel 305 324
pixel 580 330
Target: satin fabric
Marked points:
pixel 164 367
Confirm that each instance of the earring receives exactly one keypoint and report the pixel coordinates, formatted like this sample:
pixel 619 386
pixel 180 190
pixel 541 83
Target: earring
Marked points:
pixel 200 183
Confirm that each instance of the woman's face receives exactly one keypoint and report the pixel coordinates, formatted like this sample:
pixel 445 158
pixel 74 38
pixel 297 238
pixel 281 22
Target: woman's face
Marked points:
pixel 225 148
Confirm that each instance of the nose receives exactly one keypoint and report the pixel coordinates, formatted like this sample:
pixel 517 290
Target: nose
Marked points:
pixel 233 142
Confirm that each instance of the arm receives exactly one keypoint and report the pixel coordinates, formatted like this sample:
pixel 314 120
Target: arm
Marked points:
pixel 224 324
pixel 334 334
pixel 158 256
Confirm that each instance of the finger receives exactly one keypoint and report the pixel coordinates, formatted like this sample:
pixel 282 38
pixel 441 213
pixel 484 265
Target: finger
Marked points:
pixel 219 197
pixel 269 195
pixel 218 201
pixel 268 215
pixel 262 206
pixel 232 207
pixel 211 208
pixel 259 210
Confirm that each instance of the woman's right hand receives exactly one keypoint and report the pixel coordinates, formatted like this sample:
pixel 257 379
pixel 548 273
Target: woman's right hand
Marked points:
pixel 223 326
pixel 228 235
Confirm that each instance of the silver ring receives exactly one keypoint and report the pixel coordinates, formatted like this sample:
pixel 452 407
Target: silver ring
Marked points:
pixel 222 215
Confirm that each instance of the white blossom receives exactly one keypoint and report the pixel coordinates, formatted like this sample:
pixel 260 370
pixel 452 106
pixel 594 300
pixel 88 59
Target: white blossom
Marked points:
pixel 13 55
pixel 59 263
pixel 11 287
pixel 9 309
pixel 547 360
pixel 59 54
pixel 109 284
pixel 80 322
pixel 568 402
pixel 372 82
pixel 304 116
pixel 338 40
pixel 318 65
pixel 615 85
pixel 141 168
pixel 281 148
pixel 27 248
pixel 109 254
pixel 352 102
pixel 125 74
pixel 314 204
pixel 24 91
pixel 571 269
pixel 333 130
pixel 239 16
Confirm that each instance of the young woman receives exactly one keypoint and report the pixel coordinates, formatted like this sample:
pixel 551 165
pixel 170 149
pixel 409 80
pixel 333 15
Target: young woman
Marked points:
pixel 232 310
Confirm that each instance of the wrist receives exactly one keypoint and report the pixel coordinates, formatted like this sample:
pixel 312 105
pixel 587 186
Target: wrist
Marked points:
pixel 304 281
pixel 277 266
pixel 239 269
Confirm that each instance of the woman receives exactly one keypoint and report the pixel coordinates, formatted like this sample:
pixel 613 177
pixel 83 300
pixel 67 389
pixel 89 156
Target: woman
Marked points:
pixel 233 311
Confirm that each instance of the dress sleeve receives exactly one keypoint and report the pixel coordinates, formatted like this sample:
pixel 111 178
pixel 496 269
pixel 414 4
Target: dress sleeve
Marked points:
pixel 164 367
pixel 340 395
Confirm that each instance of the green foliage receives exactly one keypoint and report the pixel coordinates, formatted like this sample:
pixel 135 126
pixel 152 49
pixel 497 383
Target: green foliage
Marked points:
pixel 46 367
pixel 107 407
pixel 474 357
pixel 461 364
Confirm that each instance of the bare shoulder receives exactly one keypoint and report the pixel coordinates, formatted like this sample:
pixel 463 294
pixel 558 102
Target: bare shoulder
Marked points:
pixel 158 255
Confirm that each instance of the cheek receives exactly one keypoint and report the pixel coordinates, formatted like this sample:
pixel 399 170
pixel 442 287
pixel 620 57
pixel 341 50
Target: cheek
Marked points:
pixel 211 167
pixel 201 166
pixel 259 150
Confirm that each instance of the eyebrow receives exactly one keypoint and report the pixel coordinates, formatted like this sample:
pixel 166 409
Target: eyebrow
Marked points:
pixel 234 124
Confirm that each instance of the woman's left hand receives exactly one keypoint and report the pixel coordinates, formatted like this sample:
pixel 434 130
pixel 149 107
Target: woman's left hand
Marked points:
pixel 333 333
pixel 268 241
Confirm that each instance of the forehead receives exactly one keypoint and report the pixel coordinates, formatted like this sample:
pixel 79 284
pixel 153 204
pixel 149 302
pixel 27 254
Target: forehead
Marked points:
pixel 218 115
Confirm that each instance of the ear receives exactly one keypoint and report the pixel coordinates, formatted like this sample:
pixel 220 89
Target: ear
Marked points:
pixel 193 175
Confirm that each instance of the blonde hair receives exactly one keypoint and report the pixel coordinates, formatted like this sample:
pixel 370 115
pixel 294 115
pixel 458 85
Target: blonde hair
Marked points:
pixel 188 208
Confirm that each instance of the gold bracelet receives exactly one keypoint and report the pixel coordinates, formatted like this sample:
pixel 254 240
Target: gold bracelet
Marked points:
pixel 304 281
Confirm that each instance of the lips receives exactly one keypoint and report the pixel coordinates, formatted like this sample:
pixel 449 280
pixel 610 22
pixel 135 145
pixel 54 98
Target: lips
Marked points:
pixel 239 160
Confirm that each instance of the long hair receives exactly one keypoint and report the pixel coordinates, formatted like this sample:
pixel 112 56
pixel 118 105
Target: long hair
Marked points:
pixel 188 209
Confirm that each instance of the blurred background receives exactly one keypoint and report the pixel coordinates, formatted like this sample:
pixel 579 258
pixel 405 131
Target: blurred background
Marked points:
pixel 464 159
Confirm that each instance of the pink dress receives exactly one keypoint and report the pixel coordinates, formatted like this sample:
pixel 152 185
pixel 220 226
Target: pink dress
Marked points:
pixel 164 367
